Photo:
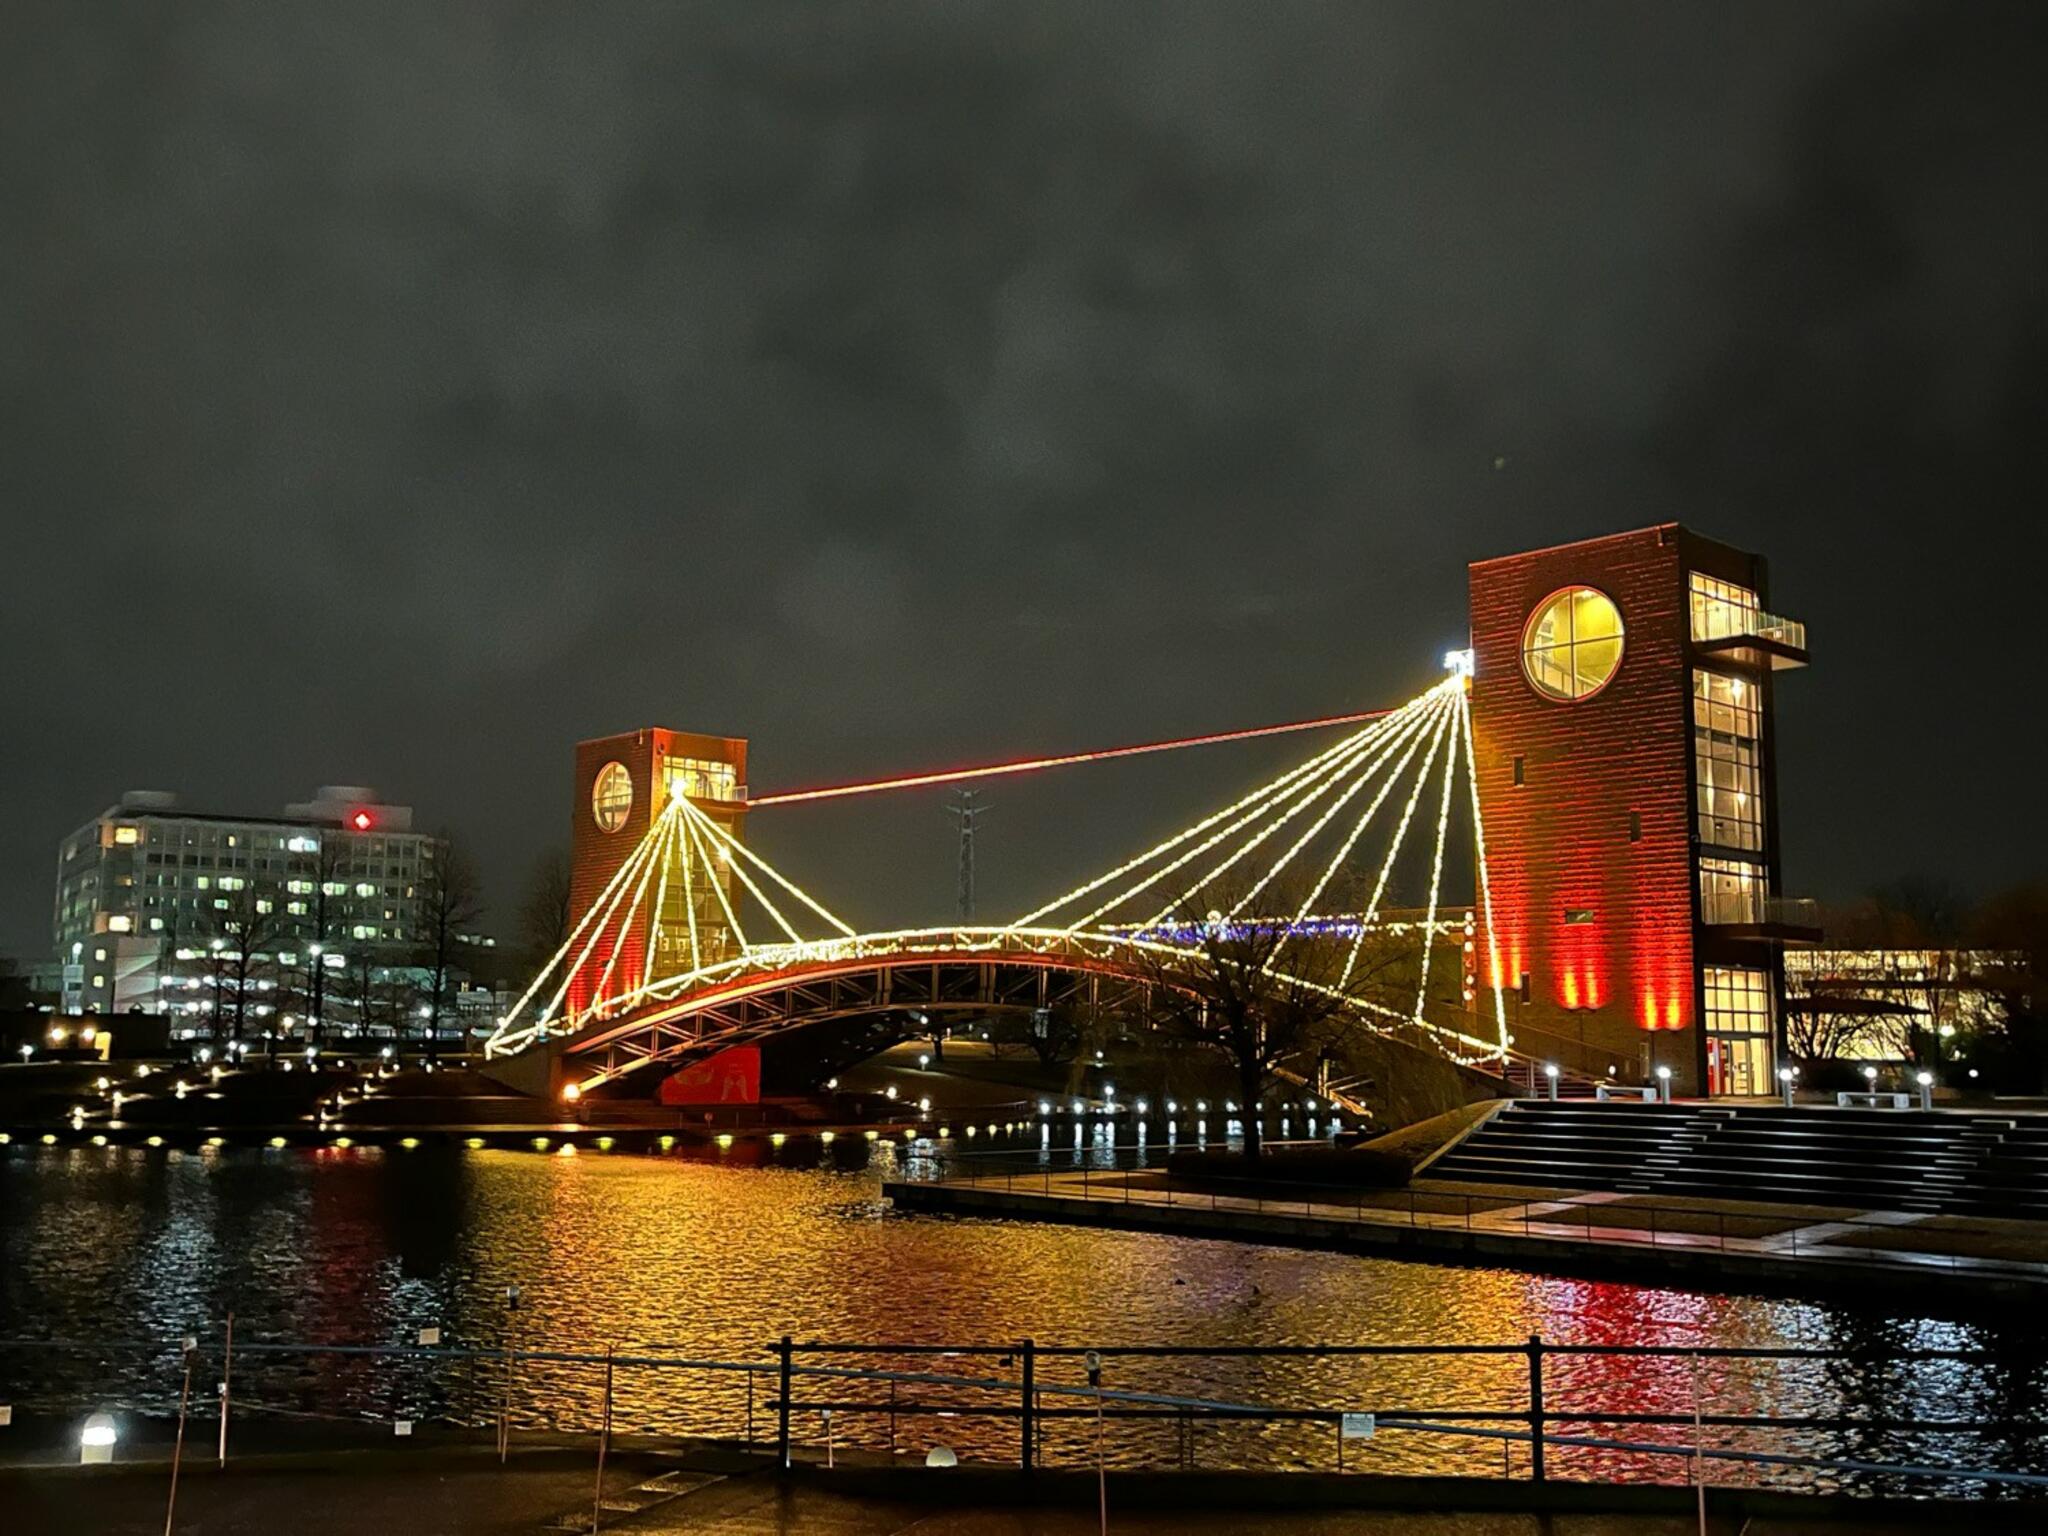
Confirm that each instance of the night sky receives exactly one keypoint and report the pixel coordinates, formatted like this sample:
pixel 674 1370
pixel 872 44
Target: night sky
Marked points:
pixel 397 393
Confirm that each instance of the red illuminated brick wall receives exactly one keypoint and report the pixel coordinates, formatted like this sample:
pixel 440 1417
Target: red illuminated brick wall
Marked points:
pixel 595 855
pixel 1561 839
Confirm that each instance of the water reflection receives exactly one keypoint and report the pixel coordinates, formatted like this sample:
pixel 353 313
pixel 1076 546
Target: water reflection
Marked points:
pixel 717 1256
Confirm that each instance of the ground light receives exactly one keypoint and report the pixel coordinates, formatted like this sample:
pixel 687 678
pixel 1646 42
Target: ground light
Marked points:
pixel 1664 1084
pixel 96 1438
pixel 1550 1071
pixel 1926 1082
pixel 1785 1084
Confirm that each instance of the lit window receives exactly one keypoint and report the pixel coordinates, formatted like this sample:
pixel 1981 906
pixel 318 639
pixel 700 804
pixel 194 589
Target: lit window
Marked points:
pixel 1727 736
pixel 303 845
pixel 100 955
pixel 120 924
pixel 98 982
pixel 611 797
pixel 1731 891
pixel 1572 645
pixel 1721 609
pixel 701 778
pixel 127 836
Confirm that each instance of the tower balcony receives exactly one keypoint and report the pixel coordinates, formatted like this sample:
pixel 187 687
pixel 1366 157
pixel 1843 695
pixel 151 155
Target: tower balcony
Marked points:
pixel 1753 638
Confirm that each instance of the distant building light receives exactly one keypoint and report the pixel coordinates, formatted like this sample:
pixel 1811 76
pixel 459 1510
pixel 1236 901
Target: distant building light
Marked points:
pixel 360 821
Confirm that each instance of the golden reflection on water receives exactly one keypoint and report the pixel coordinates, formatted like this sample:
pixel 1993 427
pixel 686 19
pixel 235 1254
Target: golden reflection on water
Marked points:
pixel 717 1257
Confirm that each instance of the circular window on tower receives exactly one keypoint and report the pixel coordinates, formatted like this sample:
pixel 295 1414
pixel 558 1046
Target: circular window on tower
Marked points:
pixel 1572 645
pixel 611 797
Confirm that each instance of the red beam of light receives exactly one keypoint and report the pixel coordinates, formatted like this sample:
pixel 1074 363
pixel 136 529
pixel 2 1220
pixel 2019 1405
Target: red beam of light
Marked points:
pixel 1032 764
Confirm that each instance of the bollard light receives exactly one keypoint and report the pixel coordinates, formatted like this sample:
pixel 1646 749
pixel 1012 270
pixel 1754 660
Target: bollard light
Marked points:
pixel 941 1456
pixel 1664 1084
pixel 1785 1076
pixel 1926 1082
pixel 1550 1072
pixel 96 1438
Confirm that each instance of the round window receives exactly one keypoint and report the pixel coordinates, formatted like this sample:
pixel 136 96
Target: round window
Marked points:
pixel 1572 645
pixel 611 797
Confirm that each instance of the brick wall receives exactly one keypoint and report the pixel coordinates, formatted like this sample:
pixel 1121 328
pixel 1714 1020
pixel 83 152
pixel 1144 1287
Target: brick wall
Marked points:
pixel 1561 839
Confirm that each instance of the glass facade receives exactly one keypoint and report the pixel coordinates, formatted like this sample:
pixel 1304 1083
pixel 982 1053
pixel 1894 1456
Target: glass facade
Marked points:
pixel 1720 608
pixel 701 778
pixel 1738 1019
pixel 1572 644
pixel 1727 735
pixel 1731 891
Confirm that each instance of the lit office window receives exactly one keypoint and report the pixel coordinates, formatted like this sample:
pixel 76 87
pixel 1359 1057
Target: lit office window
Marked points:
pixel 1727 734
pixel 700 778
pixel 1721 609
pixel 1731 891
pixel 1572 644
pixel 127 836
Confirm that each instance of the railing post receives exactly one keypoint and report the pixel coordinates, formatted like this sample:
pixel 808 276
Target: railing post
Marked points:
pixel 1536 1407
pixel 1028 1389
pixel 782 1411
pixel 227 1374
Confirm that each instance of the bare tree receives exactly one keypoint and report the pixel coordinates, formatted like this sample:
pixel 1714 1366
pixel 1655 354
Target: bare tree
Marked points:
pixel 544 914
pixel 315 930
pixel 366 989
pixel 1826 1026
pixel 1261 990
pixel 450 902
pixel 247 929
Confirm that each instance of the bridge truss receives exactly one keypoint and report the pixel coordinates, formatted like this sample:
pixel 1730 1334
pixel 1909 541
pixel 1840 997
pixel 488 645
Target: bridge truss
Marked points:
pixel 1345 814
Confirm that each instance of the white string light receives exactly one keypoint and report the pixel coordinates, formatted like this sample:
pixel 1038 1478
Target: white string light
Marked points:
pixel 1260 793
pixel 1316 827
pixel 1393 852
pixel 1436 874
pixel 736 846
pixel 1500 1012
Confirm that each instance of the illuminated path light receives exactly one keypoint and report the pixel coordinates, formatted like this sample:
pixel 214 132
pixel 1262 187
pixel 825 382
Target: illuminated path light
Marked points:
pixel 1117 925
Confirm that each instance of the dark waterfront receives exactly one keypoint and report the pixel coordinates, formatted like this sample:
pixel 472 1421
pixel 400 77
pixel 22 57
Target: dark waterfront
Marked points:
pixel 717 1256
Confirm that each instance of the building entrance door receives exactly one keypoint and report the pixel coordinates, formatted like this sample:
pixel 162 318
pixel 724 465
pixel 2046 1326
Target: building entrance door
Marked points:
pixel 1738 1064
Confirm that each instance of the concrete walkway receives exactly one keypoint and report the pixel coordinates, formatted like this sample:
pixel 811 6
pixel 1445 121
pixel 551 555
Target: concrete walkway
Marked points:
pixel 471 1496
pixel 1735 1238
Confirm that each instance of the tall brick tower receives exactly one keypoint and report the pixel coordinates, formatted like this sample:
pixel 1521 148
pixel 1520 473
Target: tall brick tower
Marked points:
pixel 623 783
pixel 1621 710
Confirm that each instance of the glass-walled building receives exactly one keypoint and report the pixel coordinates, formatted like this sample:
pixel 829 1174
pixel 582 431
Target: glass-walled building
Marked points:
pixel 149 895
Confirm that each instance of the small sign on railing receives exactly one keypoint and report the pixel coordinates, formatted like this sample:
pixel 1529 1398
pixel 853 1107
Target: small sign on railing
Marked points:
pixel 430 1336
pixel 1356 1426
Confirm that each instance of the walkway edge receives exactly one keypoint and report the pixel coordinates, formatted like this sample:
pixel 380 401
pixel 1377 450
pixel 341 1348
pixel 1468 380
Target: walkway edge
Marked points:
pixel 1552 1255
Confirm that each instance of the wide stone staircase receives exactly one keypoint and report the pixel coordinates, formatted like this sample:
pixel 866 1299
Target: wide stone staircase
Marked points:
pixel 1946 1162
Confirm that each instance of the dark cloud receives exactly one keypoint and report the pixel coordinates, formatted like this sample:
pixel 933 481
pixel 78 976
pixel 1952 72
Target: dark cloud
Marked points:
pixel 401 392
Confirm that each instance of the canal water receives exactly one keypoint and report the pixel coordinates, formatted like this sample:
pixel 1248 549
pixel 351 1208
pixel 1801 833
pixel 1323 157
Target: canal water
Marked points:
pixel 120 1251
